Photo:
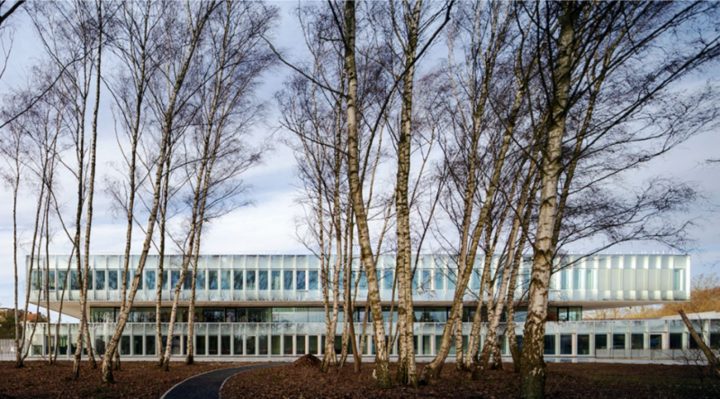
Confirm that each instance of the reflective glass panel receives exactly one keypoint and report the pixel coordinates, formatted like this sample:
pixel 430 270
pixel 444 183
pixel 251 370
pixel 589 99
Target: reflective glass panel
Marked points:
pixel 313 280
pixel 212 279
pixel 275 279
pixel 263 282
pixel 225 280
pixel 250 279
pixel 150 278
pixel 112 279
pixel 200 280
pixel 300 274
pixel 99 279
pixel 288 279
pixel 237 279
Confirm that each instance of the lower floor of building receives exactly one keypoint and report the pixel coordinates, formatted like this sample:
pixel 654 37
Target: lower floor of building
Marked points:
pixel 656 339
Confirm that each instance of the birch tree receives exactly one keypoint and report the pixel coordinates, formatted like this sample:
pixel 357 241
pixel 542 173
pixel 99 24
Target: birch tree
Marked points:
pixel 591 47
pixel 169 104
pixel 217 152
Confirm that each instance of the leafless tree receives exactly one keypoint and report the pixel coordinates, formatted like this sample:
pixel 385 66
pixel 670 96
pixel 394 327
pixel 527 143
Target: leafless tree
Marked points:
pixel 169 99
pixel 216 153
pixel 588 52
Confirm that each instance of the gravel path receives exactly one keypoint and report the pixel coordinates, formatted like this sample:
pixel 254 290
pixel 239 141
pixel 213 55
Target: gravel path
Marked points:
pixel 207 385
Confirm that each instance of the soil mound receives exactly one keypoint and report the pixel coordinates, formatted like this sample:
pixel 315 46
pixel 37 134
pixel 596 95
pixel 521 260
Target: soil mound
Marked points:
pixel 308 361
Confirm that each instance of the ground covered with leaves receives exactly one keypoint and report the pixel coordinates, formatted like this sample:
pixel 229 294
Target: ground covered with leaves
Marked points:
pixel 134 380
pixel 565 380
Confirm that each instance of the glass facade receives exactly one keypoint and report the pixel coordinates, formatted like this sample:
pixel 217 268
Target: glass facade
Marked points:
pixel 271 305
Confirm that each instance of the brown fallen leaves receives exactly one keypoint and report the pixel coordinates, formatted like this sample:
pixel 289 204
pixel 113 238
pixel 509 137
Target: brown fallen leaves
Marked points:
pixel 565 380
pixel 134 380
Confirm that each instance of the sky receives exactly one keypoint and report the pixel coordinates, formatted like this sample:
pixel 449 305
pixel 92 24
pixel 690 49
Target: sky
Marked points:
pixel 268 225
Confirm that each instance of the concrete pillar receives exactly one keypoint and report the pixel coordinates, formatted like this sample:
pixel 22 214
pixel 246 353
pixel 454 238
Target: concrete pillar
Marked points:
pixel 574 344
pixel 557 343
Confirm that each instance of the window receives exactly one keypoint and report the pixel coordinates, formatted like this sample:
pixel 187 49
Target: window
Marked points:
pixel 230 315
pixel 566 344
pixel 112 279
pixel 474 280
pixel 601 341
pixel 174 278
pixel 250 279
pixel 263 340
pixel 589 283
pixel 363 281
pixel 426 345
pixel 575 314
pixel 676 341
pixel 439 279
pixel 51 280
pixel 238 279
pixel 655 341
pixel 275 279
pixel 263 285
pixel 549 344
pixel 715 340
pixel 200 280
pixel 583 344
pixel 636 341
pixel 74 281
pixel 313 344
pixel 250 345
pixel 300 277
pixel 338 344
pixel 300 345
pixel 677 279
pixel 149 344
pixel 62 279
pixel 287 279
pixel 150 278
pixel 225 345
pixel 238 345
pixel 225 280
pixel 576 279
pixel 388 279
pixel 137 344
pixel 175 344
pixel 213 345
pixel 425 281
pixel 313 280
pixel 213 315
pixel 288 344
pixel 99 280
pixel 200 345
pixel 212 280
pixel 564 280
pixel 259 315
pixel 618 341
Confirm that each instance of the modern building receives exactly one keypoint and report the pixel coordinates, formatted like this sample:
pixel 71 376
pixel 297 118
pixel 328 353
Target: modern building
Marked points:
pixel 271 305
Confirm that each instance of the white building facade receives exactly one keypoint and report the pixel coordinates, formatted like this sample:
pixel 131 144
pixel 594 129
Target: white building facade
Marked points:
pixel 270 306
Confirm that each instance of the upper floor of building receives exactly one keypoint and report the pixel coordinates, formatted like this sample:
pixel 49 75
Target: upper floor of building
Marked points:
pixel 595 281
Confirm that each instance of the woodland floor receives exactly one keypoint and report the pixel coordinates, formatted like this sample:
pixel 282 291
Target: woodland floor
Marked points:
pixel 133 380
pixel 565 380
